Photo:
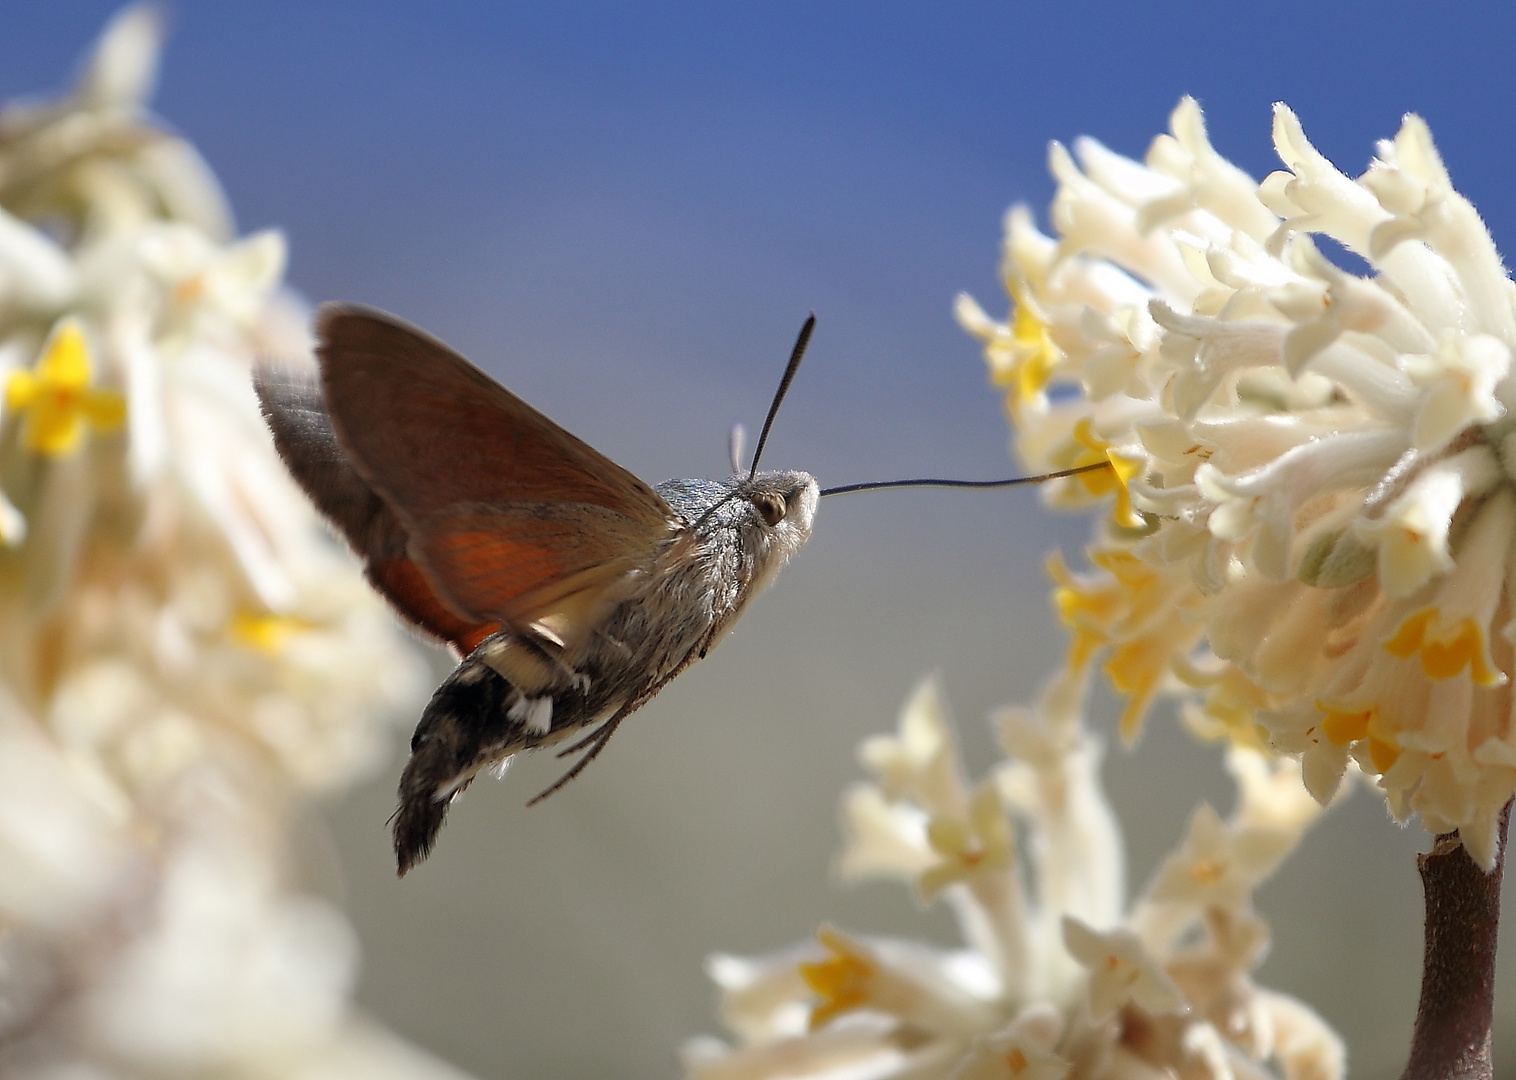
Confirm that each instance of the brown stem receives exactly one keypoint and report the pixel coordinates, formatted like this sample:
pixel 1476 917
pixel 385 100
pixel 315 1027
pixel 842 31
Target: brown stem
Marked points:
pixel 1452 1036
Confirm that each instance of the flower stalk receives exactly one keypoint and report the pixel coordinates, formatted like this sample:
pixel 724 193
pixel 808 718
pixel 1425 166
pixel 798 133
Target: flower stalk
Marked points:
pixel 1451 1040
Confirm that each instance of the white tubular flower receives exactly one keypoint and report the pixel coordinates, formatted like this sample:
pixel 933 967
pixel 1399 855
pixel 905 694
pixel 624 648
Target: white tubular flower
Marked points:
pixel 1121 971
pixel 1219 865
pixel 1091 989
pixel 96 161
pixel 1020 1052
pixel 950 837
pixel 1320 462
pixel 185 655
pixel 198 277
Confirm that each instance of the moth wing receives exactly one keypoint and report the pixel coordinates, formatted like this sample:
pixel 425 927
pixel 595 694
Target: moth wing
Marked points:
pixel 509 517
pixel 295 410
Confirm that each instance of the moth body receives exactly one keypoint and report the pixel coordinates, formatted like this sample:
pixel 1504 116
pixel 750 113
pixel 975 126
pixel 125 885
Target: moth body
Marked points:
pixel 523 690
pixel 573 591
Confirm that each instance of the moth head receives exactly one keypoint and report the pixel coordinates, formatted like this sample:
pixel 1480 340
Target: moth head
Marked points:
pixel 781 505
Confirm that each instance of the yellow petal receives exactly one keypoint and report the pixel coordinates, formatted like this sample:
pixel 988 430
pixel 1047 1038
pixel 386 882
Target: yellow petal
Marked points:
pixel 1134 669
pixel 105 409
pixel 1084 643
pixel 65 362
pixel 1342 728
pixel 1126 469
pixel 1123 470
pixel 50 430
pixel 1442 659
pixel 56 397
pixel 1406 641
pixel 265 633
pixel 1383 754
pixel 20 390
pixel 840 981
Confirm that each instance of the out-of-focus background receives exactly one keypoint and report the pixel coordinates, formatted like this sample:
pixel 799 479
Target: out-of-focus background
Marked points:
pixel 624 212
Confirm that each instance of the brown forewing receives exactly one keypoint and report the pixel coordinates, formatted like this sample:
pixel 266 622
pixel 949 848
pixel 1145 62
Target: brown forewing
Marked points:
pixel 293 405
pixel 502 507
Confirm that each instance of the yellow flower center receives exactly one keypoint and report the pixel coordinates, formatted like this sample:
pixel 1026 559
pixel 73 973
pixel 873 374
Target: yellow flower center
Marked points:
pixel 1208 871
pixel 980 843
pixel 1343 727
pixel 1027 363
pixel 1442 656
pixel 1382 754
pixel 1134 669
pixel 1123 470
pixel 1122 973
pixel 56 397
pixel 1084 609
pixel 190 289
pixel 263 632
pixel 841 981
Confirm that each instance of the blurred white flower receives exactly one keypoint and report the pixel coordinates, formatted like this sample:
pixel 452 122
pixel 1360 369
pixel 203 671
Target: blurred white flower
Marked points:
pixel 1315 506
pixel 186 655
pixel 1059 979
pixel 1121 972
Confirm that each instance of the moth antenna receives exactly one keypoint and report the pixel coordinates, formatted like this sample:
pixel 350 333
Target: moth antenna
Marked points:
pixel 871 485
pixel 796 355
pixel 734 447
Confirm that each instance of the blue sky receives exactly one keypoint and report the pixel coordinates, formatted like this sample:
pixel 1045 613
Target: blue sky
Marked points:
pixel 625 211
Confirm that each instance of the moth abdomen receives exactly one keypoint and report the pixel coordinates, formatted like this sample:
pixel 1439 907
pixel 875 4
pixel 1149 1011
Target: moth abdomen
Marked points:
pixel 464 720
pixel 479 718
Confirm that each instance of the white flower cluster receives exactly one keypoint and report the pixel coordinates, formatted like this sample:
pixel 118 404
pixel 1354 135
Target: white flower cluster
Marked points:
pixel 1315 509
pixel 185 654
pixel 1057 982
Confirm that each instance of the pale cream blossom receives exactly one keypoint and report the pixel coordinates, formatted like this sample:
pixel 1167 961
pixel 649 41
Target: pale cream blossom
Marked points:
pixel 1318 459
pixel 186 655
pixel 1121 971
pixel 1060 977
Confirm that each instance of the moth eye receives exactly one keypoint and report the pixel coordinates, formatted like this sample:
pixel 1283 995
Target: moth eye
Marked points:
pixel 770 507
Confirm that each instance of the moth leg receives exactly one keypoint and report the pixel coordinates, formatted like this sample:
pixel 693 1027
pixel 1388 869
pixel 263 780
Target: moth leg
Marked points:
pixel 597 739
pixel 570 751
pixel 596 743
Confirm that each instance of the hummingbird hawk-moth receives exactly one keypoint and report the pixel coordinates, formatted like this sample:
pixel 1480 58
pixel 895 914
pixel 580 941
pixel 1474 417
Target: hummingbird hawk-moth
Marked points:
pixel 572 590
